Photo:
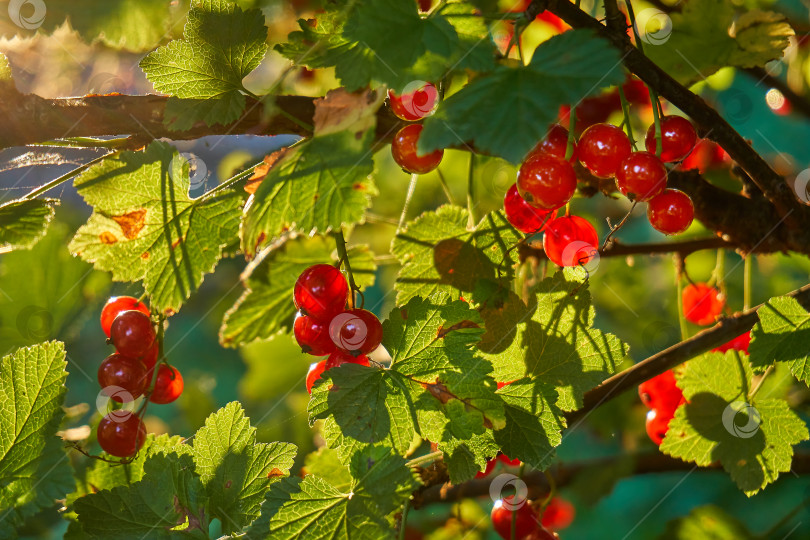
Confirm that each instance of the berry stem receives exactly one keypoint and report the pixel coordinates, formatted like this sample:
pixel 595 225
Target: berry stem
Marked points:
pixel 615 228
pixel 747 265
pixel 407 203
pixel 471 193
pixel 343 259
pixel 679 267
pixel 445 187
pixel 427 458
pixel 402 520
pixel 552 488
pixel 626 112
pixel 572 124
pixel 761 380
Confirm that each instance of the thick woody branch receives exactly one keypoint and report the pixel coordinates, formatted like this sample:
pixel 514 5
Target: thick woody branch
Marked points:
pixel 617 249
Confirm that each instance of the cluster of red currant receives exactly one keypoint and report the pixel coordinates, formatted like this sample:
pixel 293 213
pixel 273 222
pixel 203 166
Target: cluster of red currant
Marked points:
pixel 127 374
pixel 702 304
pixel 662 396
pixel 529 524
pixel 413 105
pixel 325 325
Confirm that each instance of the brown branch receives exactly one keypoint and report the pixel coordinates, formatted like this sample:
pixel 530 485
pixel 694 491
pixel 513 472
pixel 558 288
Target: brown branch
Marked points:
pixel 617 249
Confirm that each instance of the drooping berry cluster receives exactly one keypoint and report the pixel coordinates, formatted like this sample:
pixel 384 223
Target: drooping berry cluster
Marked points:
pixel 663 397
pixel 529 523
pixel 411 105
pixel 127 374
pixel 326 326
pixel 702 303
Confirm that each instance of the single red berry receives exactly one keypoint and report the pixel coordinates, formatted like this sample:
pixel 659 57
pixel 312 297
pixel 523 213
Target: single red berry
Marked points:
pixel 678 138
pixel 555 143
pixel 356 330
pixel 502 384
pixel 526 519
pixel 522 215
pixel 338 358
pixel 321 291
pixel 424 5
pixel 661 392
pixel 312 335
pixel 487 470
pixel 121 436
pixel 546 182
pixel 706 155
pixel 116 305
pixel 168 386
pixel 570 241
pixel 657 424
pixel 314 373
pixel 701 303
pixel 641 176
pixel 503 458
pixel 596 110
pixel 636 92
pixel 150 357
pixel 414 103
pixel 403 149
pixel 739 343
pixel 119 376
pixel 602 148
pixel 132 333
pixel 671 212
pixel 558 514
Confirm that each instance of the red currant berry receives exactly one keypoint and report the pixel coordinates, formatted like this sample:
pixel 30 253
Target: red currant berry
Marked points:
pixel 661 392
pixel 657 424
pixel 321 291
pixel 701 303
pixel 312 335
pixel 555 143
pixel 132 333
pixel 706 155
pixel 502 384
pixel 150 358
pixel 488 469
pixel 570 241
pixel 357 331
pixel 119 375
pixel 503 458
pixel 314 373
pixel 523 216
pixel 641 176
pixel 168 386
pixel 338 358
pixel 602 148
pixel 116 305
pixel 414 103
pixel 403 149
pixel 526 519
pixel 546 182
pixel 739 343
pixel 121 437
pixel 671 212
pixel 678 138
pixel 558 515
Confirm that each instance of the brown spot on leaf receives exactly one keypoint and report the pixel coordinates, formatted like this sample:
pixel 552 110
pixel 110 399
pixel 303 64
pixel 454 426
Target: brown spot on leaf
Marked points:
pixel 261 170
pixel 145 255
pixel 404 314
pixel 275 473
pixel 438 390
pixel 107 238
pixel 316 197
pixel 228 484
pixel 176 243
pixel 357 186
pixel 131 223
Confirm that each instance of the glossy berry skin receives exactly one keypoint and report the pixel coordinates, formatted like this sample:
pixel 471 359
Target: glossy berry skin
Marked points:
pixel 403 149
pixel 150 357
pixel 657 424
pixel 523 216
pixel 321 291
pixel 546 182
pixel 641 176
pixel 356 331
pixel 602 148
pixel 132 333
pixel 121 438
pixel 338 358
pixel 678 138
pixel 671 212
pixel 416 104
pixel 739 343
pixel 525 522
pixel 661 392
pixel 312 335
pixel 122 372
pixel 168 386
pixel 503 458
pixel 570 241
pixel 314 373
pixel 701 303
pixel 116 305
pixel 555 143
pixel 558 514
pixel 488 469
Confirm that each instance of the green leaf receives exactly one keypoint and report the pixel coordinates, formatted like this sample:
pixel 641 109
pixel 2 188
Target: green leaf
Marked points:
pixel 24 222
pixel 782 335
pixel 265 307
pixel 563 70
pixel 439 254
pixel 235 470
pixel 34 469
pixel 5 69
pixel 169 493
pixel 752 438
pixel 382 480
pixel 706 36
pixel 324 463
pixel 708 522
pixel 146 227
pixel 221 45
